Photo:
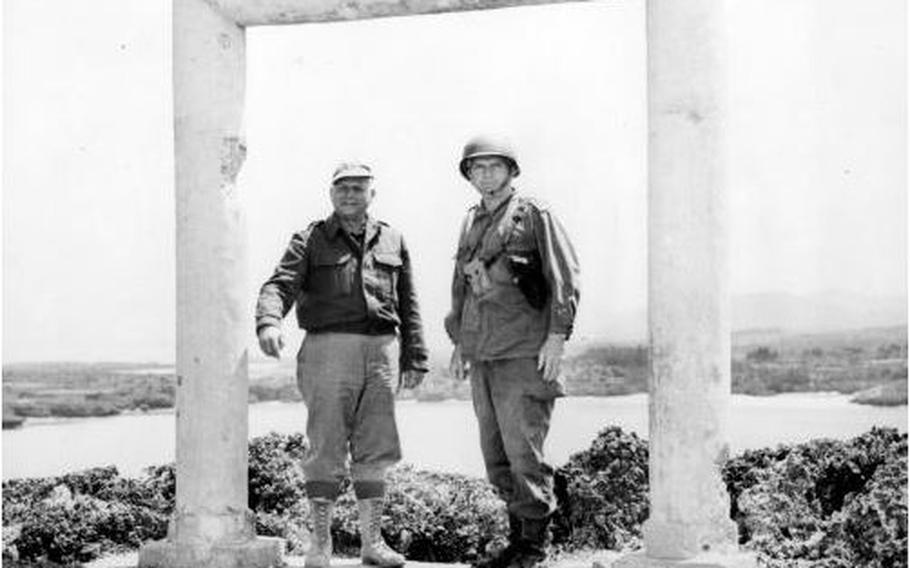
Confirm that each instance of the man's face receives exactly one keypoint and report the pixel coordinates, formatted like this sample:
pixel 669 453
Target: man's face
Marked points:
pixel 352 196
pixel 491 176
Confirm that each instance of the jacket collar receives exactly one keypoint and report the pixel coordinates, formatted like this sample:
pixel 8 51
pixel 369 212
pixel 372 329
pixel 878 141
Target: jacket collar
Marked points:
pixel 333 227
pixel 483 211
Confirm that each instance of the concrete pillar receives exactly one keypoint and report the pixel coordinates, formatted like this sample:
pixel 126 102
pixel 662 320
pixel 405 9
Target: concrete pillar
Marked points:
pixel 212 525
pixel 689 311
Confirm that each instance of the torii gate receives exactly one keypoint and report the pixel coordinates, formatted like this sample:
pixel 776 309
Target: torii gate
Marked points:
pixel 689 315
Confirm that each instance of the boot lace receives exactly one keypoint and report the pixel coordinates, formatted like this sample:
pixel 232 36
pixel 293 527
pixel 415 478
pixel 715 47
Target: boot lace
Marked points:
pixel 321 522
pixel 379 543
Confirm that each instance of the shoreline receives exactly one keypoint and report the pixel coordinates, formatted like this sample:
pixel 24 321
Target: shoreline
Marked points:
pixel 870 367
pixel 134 441
pixel 852 398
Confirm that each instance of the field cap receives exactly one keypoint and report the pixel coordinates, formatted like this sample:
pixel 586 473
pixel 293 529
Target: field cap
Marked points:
pixel 351 170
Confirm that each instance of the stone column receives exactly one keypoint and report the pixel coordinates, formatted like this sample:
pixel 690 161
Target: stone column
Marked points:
pixel 689 311
pixel 212 525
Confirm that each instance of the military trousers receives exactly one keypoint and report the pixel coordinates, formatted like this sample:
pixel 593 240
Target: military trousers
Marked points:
pixel 513 405
pixel 348 385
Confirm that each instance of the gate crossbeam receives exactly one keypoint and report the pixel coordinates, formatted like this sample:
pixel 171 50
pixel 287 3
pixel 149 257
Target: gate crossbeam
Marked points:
pixel 272 12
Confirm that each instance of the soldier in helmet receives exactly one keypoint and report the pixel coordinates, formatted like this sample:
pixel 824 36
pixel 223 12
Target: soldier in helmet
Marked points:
pixel 514 298
pixel 350 276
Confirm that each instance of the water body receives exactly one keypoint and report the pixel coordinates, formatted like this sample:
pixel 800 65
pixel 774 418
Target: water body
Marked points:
pixel 440 436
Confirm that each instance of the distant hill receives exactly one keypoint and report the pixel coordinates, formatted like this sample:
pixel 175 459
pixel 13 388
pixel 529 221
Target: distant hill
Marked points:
pixel 777 312
pixel 830 311
pixel 863 338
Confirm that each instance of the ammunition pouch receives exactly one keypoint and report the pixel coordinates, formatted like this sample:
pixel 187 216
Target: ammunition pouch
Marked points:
pixel 528 273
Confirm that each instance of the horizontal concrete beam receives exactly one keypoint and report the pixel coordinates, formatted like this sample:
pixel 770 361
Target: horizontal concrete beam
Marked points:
pixel 270 12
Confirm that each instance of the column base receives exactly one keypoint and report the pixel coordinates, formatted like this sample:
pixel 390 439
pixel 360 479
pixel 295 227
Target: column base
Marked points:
pixel 706 560
pixel 259 552
pixel 677 540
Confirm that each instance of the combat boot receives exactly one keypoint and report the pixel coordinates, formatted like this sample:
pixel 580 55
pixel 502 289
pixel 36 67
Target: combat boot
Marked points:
pixel 373 549
pixel 532 551
pixel 503 557
pixel 319 555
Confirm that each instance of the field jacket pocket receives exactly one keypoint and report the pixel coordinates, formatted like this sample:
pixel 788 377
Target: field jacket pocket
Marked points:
pixel 333 274
pixel 388 269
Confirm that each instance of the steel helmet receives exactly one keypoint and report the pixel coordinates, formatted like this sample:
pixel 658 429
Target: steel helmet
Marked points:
pixel 484 146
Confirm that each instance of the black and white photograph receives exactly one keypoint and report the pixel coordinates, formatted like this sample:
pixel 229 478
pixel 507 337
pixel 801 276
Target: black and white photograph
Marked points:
pixel 454 283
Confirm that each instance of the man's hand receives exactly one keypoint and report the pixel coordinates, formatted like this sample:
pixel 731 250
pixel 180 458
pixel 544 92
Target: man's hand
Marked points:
pixel 457 366
pixel 271 341
pixel 410 379
pixel 551 356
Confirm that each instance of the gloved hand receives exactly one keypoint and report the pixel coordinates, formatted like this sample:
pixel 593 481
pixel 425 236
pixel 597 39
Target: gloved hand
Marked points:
pixel 271 341
pixel 457 365
pixel 550 356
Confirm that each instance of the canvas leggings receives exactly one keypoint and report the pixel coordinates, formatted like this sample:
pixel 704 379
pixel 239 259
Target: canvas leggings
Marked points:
pixel 513 405
pixel 348 385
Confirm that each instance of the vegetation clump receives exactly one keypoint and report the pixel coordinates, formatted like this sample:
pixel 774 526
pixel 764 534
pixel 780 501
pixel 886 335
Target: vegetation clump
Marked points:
pixel 822 504
pixel 78 516
pixel 603 493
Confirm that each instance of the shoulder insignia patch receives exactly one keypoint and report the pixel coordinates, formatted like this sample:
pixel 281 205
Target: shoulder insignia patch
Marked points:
pixel 534 203
pixel 313 226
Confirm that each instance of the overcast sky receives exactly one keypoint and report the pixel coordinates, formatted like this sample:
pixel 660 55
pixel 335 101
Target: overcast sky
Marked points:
pixel 817 147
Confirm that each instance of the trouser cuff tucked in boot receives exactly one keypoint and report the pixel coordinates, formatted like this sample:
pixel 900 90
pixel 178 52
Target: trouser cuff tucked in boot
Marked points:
pixel 369 489
pixel 322 489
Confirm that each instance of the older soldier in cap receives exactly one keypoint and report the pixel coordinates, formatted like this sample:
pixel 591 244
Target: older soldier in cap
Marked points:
pixel 350 276
pixel 514 298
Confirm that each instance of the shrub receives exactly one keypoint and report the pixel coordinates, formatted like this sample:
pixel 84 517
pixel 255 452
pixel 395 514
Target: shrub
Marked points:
pixel 76 408
pixel 435 517
pixel 824 503
pixel 277 495
pixel 276 481
pixel 762 355
pixel 603 493
pixel 21 495
pixel 874 524
pixel 80 515
pixel 68 528
pixel 59 532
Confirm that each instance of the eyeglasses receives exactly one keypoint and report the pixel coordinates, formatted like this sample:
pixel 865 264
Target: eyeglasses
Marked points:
pixel 495 167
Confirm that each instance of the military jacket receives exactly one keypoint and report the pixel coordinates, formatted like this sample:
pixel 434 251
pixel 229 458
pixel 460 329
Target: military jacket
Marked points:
pixel 496 320
pixel 340 285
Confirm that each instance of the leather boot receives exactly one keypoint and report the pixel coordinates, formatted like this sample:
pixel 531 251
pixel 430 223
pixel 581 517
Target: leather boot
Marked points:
pixel 503 557
pixel 373 549
pixel 319 555
pixel 532 552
